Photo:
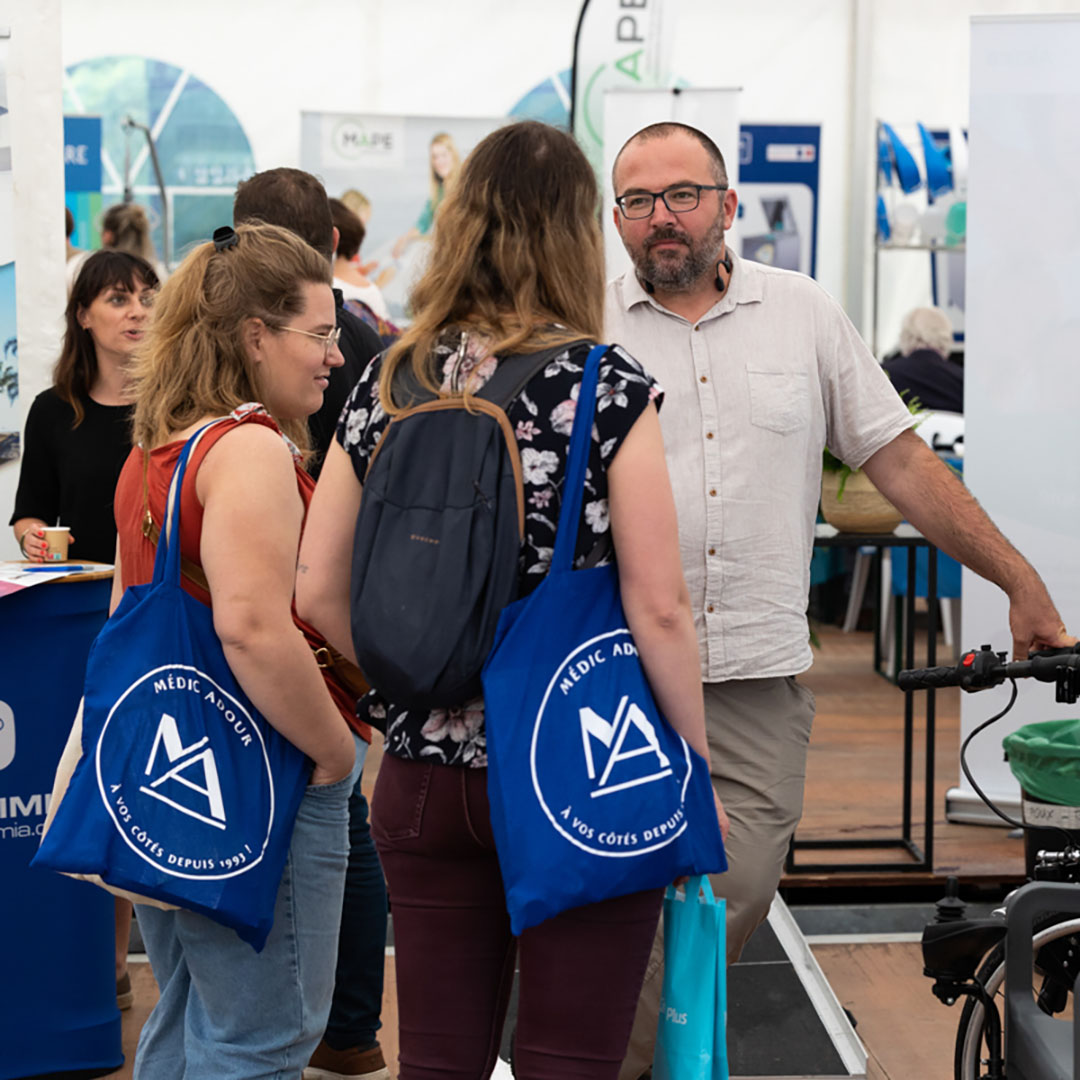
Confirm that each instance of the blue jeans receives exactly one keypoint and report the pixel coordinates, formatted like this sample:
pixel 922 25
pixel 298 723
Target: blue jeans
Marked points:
pixel 354 1015
pixel 230 1013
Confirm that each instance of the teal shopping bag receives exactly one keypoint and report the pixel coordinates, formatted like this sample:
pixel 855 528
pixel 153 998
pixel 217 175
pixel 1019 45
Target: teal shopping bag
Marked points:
pixel 691 1042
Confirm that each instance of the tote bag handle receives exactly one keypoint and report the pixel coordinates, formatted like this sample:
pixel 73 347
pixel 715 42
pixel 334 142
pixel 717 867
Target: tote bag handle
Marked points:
pixel 167 559
pixel 562 559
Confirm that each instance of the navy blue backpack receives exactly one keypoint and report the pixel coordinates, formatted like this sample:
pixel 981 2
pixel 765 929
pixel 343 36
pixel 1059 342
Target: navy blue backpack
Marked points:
pixel 593 794
pixel 184 793
pixel 438 538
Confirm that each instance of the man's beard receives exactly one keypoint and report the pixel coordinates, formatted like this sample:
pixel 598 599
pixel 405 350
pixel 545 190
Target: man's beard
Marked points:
pixel 682 273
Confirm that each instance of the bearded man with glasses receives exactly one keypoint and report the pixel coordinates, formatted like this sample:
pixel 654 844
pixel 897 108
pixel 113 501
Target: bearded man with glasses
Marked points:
pixel 761 369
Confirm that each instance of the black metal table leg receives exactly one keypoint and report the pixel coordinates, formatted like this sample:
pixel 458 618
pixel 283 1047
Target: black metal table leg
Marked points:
pixel 920 858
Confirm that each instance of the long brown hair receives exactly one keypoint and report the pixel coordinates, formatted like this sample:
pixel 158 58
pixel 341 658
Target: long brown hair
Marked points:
pixel 77 368
pixel 517 254
pixel 194 362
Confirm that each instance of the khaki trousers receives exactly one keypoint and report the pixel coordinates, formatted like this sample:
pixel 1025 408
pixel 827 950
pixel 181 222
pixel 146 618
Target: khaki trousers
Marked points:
pixel 758 731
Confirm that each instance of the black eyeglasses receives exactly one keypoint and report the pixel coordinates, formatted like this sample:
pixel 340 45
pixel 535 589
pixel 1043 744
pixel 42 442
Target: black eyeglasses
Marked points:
pixel 679 199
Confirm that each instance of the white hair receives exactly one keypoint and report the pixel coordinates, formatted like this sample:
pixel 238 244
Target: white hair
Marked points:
pixel 926 328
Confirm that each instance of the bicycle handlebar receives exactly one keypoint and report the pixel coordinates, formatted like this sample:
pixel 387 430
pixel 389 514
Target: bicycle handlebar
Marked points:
pixel 982 668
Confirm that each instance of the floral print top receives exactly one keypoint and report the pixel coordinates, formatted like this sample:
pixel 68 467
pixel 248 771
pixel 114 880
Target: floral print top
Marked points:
pixel 542 417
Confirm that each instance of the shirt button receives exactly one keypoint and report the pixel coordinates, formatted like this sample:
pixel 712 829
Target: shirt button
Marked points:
pixel 710 609
pixel 712 491
pixel 708 435
pixel 698 327
pixel 704 378
pixel 712 551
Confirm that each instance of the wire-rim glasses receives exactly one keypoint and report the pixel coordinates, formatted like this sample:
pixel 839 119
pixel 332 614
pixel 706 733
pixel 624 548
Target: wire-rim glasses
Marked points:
pixel 329 340
pixel 680 199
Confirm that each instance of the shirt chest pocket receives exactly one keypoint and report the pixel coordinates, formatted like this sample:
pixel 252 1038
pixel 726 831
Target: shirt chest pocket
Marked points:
pixel 779 400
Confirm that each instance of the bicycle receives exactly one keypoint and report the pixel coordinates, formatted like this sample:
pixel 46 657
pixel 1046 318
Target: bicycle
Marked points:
pixel 966 957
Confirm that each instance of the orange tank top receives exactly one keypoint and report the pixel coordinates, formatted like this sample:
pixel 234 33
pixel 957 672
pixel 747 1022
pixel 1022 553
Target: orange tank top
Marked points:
pixel 137 552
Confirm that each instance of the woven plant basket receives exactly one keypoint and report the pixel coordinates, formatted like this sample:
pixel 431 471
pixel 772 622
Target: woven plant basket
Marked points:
pixel 863 509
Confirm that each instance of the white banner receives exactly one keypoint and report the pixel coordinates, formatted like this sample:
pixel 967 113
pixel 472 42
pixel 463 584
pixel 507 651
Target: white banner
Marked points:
pixel 619 46
pixel 1023 338
pixel 716 112
pixel 402 166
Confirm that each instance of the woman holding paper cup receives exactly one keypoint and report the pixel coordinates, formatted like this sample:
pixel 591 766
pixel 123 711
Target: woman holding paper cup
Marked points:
pixel 78 435
pixel 78 432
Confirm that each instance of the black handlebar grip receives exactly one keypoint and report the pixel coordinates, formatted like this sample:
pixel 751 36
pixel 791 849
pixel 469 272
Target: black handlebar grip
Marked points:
pixel 928 678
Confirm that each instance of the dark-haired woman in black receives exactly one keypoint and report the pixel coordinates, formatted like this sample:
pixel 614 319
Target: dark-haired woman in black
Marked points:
pixel 78 432
pixel 78 435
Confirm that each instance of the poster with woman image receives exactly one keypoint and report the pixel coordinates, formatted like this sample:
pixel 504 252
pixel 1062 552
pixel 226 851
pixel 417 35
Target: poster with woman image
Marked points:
pixel 394 172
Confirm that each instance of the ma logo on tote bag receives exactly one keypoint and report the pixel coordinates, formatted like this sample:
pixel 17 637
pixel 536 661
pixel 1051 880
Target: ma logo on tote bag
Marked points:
pixel 595 801
pixel 593 793
pixel 181 776
pixel 183 795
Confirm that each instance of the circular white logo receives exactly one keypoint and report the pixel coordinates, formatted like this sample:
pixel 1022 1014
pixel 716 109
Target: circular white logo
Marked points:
pixel 166 761
pixel 610 777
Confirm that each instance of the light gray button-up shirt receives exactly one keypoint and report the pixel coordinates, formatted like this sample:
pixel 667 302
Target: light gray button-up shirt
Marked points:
pixel 754 390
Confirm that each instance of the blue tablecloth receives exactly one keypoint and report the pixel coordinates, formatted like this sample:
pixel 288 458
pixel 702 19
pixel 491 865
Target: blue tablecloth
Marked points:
pixel 58 991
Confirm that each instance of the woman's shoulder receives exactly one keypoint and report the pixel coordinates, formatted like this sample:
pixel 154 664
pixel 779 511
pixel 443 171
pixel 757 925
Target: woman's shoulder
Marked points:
pixel 49 413
pixel 565 369
pixel 247 438
pixel 253 454
pixel 619 359
pixel 50 402
pixel 362 419
pixel 615 357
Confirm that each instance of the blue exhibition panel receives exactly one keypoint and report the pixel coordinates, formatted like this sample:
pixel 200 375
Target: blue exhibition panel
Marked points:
pixel 58 994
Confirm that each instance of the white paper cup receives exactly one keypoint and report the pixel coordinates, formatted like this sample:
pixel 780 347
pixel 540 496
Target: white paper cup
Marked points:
pixel 57 538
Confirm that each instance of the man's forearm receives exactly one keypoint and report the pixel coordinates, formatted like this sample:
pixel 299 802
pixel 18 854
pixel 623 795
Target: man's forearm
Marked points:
pixel 912 477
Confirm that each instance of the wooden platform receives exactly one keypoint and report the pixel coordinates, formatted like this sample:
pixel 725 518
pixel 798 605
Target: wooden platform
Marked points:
pixel 907 1033
pixel 854 776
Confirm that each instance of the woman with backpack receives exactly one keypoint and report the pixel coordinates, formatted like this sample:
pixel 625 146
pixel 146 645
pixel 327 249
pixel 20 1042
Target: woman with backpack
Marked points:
pixel 245 334
pixel 516 268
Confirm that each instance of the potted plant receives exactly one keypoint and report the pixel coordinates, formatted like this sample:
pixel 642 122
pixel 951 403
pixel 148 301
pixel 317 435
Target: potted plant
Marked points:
pixel 849 500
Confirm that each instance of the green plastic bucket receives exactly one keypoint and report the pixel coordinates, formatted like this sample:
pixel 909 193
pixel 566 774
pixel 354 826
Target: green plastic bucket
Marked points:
pixel 1045 759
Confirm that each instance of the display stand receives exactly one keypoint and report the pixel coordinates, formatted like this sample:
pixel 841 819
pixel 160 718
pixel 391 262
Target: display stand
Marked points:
pixel 881 247
pixel 58 994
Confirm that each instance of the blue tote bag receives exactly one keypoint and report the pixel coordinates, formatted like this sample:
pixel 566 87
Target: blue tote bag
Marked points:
pixel 691 1040
pixel 183 793
pixel 593 794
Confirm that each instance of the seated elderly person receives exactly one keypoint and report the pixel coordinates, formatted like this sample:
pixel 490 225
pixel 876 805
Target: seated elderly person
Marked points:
pixel 923 367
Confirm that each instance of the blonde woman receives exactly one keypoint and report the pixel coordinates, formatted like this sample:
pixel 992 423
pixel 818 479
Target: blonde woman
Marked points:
pixel 244 330
pixel 445 163
pixel 517 266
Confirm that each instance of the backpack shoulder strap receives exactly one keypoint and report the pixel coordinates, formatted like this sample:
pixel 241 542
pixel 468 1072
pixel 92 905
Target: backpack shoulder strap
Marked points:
pixel 512 373
pixel 406 390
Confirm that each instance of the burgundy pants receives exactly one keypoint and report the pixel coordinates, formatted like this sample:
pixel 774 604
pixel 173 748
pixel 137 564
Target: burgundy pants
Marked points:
pixel 581 972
